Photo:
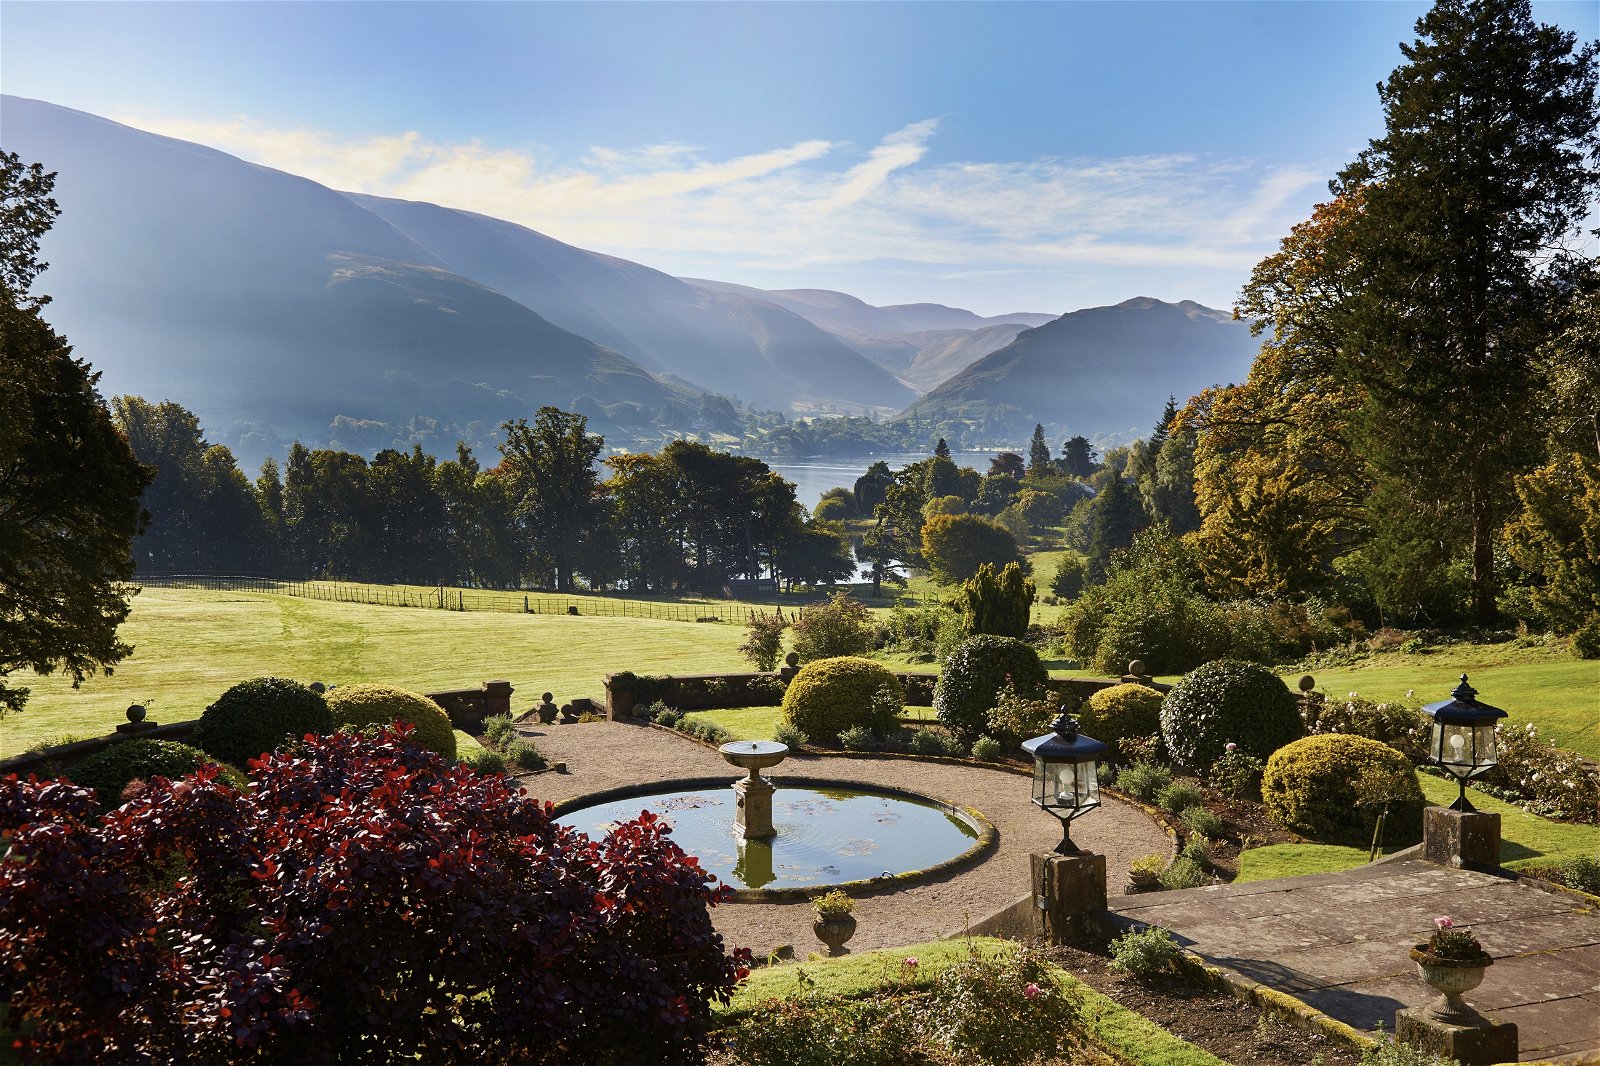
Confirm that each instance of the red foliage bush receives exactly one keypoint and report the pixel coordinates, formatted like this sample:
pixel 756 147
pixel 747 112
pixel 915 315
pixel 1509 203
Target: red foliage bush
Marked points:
pixel 365 902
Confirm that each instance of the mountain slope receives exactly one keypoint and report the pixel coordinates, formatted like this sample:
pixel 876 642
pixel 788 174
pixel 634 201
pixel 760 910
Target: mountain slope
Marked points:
pixel 753 349
pixel 1102 370
pixel 251 296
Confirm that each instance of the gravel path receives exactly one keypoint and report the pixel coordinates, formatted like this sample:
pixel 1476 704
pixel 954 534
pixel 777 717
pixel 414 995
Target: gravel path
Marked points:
pixel 602 755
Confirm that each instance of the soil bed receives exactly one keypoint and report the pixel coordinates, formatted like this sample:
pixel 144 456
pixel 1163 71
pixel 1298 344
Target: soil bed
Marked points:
pixel 1207 1017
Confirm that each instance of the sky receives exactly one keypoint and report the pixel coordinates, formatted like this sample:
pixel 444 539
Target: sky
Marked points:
pixel 995 156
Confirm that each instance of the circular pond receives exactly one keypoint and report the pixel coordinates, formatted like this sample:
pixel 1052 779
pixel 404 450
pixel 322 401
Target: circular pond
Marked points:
pixel 825 835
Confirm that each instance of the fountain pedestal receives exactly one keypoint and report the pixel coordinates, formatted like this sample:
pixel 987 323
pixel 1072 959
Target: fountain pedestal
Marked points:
pixel 752 819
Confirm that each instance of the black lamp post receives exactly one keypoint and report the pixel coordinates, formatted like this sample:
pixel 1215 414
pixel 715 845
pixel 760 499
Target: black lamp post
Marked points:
pixel 1065 782
pixel 1463 737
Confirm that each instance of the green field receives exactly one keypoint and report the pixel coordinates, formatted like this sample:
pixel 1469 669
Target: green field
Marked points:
pixel 190 646
pixel 1543 685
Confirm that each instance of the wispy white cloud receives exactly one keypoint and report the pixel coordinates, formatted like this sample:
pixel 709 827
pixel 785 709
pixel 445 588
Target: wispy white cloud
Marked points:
pixel 818 204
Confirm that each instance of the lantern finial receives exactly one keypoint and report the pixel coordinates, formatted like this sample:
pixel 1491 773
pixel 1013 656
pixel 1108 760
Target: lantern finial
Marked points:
pixel 1464 691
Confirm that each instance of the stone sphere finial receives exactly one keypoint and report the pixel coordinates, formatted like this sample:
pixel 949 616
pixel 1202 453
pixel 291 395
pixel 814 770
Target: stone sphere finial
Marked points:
pixel 318 687
pixel 547 697
pixel 136 712
pixel 792 659
pixel 1136 668
pixel 1307 683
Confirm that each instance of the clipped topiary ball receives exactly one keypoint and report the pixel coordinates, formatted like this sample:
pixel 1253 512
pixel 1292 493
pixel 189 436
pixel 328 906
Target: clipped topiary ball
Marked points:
pixel 1111 714
pixel 970 681
pixel 1311 786
pixel 110 770
pixel 257 716
pixel 829 696
pixel 1228 700
pixel 361 706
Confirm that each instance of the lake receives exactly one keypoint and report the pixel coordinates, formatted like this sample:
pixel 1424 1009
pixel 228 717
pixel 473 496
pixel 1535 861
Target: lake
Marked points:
pixel 814 476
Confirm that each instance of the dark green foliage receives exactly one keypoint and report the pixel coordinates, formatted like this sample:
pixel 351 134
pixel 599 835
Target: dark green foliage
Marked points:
pixel 784 733
pixel 1228 701
pixel 972 677
pixel 956 545
pixel 1184 873
pixel 1237 774
pixel 550 467
pixel 841 626
pixel 1038 452
pixel 1146 953
pixel 364 706
pixel 257 716
pixel 1310 787
pixel 935 742
pixel 484 761
pixel 522 756
pixel 1179 796
pixel 1206 823
pixel 986 748
pixel 1144 781
pixel 496 728
pixel 829 696
pixel 110 770
pixel 763 640
pixel 1120 712
pixel 1115 516
pixel 1068 580
pixel 69 485
pixel 997 602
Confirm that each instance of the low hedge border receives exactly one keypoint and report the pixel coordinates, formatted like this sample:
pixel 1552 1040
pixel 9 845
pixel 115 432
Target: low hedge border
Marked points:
pixel 988 836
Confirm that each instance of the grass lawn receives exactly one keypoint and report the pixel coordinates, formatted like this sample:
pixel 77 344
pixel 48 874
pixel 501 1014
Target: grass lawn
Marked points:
pixel 190 646
pixel 1542 685
pixel 1128 1036
pixel 1526 840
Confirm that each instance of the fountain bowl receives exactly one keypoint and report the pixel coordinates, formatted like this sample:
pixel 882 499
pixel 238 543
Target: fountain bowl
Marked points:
pixel 754 755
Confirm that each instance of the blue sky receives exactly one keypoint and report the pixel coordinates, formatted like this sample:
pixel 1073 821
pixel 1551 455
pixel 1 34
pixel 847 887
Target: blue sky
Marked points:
pixel 996 156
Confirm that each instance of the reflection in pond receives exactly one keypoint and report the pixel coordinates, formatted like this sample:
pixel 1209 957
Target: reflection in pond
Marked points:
pixel 823 836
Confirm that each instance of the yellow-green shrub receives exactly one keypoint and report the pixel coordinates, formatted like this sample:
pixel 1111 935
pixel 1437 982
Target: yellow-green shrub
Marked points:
pixel 1309 787
pixel 361 706
pixel 1111 714
pixel 829 696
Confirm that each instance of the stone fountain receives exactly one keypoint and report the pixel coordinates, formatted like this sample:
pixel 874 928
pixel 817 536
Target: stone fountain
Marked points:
pixel 752 818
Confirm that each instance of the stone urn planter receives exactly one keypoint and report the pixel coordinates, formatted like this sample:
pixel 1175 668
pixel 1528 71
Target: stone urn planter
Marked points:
pixel 834 930
pixel 1143 880
pixel 1451 978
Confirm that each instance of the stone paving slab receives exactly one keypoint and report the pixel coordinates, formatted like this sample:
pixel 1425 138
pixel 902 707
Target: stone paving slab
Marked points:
pixel 1339 942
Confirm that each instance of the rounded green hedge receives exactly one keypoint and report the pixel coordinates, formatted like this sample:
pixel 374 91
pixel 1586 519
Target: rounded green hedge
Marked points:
pixel 361 706
pixel 1309 786
pixel 1121 711
pixel 971 678
pixel 829 696
pixel 1228 700
pixel 109 770
pixel 257 716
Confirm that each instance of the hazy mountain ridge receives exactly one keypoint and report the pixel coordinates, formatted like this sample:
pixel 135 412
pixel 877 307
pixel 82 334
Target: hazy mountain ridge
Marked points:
pixel 1099 370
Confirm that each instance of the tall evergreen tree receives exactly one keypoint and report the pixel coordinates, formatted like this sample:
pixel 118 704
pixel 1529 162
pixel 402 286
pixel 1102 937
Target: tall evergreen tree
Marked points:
pixel 1078 458
pixel 1038 452
pixel 941 449
pixel 1486 168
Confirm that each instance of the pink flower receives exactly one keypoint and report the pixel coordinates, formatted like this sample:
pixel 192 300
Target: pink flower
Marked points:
pixel 909 962
pixel 1230 747
pixel 1031 991
pixel 1444 921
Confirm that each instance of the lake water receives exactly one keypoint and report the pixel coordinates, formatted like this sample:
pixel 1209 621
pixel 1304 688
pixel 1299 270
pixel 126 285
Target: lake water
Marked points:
pixel 814 476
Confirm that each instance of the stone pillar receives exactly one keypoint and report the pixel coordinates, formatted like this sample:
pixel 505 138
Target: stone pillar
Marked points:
pixel 752 818
pixel 1481 1044
pixel 1467 840
pixel 496 698
pixel 1069 894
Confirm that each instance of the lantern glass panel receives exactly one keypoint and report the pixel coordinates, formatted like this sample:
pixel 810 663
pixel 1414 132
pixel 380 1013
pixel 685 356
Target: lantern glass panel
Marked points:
pixel 1039 795
pixel 1074 786
pixel 1452 747
pixel 1485 747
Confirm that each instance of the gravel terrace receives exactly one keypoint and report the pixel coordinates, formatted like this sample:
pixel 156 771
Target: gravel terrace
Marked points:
pixel 602 755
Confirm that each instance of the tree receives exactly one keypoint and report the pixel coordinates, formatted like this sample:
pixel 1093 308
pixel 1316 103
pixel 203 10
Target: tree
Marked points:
pixel 1556 539
pixel 997 601
pixel 941 449
pixel 1116 516
pixel 1486 168
pixel 1038 452
pixel 871 486
pixel 550 468
pixel 69 485
pixel 1008 464
pixel 955 545
pixel 1078 458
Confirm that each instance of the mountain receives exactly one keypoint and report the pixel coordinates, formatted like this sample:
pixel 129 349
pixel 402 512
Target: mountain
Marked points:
pixel 921 343
pixel 256 297
pixel 750 348
pixel 1102 371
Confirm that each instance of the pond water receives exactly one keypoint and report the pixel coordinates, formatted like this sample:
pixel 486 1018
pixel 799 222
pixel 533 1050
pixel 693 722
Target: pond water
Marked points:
pixel 815 475
pixel 824 836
